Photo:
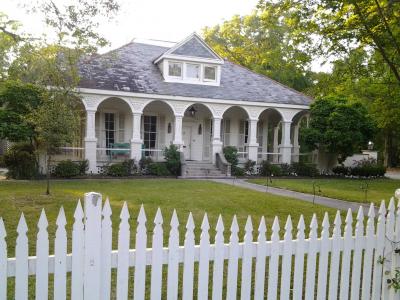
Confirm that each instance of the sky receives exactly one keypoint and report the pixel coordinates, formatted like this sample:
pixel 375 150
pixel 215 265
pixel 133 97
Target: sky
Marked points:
pixel 166 20
pixel 169 20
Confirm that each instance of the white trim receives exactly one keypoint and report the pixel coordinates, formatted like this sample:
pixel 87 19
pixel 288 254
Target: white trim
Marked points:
pixel 260 103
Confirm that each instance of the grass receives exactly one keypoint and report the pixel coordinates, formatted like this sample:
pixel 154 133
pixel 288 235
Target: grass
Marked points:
pixel 344 189
pixel 185 196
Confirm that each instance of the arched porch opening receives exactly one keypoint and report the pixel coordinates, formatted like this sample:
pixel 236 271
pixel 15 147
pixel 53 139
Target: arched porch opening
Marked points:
pixel 197 132
pixel 269 135
pixel 113 130
pixel 157 129
pixel 300 153
pixel 235 130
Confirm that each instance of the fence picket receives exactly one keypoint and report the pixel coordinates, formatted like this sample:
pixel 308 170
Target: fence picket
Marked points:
pixel 173 258
pixel 77 254
pixel 123 254
pixel 389 253
pixel 274 261
pixel 247 260
pixel 3 261
pixel 21 264
pixel 202 292
pixel 335 257
pixel 106 248
pixel 188 266
pixel 218 270
pixel 311 259
pixel 231 290
pixel 299 261
pixel 140 256
pixel 260 261
pixel 357 256
pixel 368 254
pixel 156 261
pixel 60 258
pixel 287 260
pixel 379 252
pixel 346 257
pixel 42 258
pixel 323 260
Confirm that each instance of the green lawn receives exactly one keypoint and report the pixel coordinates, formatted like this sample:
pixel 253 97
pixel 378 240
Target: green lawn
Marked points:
pixel 345 189
pixel 183 195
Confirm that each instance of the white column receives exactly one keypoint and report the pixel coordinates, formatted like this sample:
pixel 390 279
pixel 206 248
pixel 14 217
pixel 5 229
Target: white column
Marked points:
pixel 216 143
pixel 253 145
pixel 91 141
pixel 178 131
pixel 136 141
pixel 296 146
pixel 286 147
pixel 275 158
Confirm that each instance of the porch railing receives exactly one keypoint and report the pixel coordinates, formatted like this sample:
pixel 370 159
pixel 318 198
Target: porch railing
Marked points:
pixel 110 155
pixel 154 154
pixel 269 156
pixel 72 153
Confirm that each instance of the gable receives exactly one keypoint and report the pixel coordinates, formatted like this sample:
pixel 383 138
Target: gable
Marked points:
pixel 194 48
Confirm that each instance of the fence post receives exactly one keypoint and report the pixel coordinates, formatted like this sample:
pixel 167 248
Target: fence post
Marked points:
pixel 92 257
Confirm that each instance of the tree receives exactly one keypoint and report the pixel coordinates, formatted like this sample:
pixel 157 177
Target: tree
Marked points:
pixel 263 42
pixel 16 101
pixel 338 126
pixel 56 125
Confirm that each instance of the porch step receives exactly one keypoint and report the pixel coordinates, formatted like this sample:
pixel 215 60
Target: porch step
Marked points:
pixel 202 170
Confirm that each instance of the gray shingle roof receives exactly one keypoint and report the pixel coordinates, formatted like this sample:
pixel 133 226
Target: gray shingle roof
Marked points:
pixel 194 47
pixel 131 68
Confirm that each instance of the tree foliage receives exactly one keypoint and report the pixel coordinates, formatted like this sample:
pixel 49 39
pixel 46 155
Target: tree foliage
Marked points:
pixel 338 126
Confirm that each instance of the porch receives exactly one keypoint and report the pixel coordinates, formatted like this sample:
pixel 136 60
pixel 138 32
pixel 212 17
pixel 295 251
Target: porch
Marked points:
pixel 114 131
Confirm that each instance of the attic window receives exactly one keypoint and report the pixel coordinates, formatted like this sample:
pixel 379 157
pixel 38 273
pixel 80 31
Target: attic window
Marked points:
pixel 193 71
pixel 210 73
pixel 175 69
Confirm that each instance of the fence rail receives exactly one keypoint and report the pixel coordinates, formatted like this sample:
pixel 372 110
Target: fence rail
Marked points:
pixel 353 263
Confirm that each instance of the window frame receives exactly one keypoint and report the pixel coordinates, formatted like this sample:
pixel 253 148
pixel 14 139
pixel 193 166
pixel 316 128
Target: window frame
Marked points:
pixel 186 71
pixel 204 73
pixel 171 62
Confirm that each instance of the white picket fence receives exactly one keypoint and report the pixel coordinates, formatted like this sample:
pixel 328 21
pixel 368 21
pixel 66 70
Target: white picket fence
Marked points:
pixel 352 265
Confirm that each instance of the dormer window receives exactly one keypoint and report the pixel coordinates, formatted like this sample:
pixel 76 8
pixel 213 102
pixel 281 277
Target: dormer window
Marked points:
pixel 193 71
pixel 210 73
pixel 175 69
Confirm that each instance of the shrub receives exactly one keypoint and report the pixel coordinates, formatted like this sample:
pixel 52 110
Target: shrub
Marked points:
pixel 2 164
pixel 173 159
pixel 144 163
pixel 158 169
pixel 20 160
pixel 249 166
pixel 303 169
pixel 367 168
pixel 286 170
pixel 268 169
pixel 83 166
pixel 66 169
pixel 237 171
pixel 231 156
pixel 341 170
pixel 125 168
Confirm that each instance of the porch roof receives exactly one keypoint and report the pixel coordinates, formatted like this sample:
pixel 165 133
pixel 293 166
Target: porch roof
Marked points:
pixel 131 68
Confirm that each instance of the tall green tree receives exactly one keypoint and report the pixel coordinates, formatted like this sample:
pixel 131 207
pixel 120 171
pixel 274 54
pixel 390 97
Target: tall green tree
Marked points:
pixel 264 42
pixel 338 126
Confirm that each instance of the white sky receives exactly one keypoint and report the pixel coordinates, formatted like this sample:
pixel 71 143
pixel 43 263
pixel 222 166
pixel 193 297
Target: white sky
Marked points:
pixel 168 20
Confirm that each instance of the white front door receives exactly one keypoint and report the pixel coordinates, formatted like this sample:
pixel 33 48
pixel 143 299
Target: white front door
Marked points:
pixel 187 137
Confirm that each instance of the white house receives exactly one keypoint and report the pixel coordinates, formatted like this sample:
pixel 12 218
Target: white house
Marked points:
pixel 141 97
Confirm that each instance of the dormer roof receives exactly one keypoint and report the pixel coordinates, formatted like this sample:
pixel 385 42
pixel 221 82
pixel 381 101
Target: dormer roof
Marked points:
pixel 192 48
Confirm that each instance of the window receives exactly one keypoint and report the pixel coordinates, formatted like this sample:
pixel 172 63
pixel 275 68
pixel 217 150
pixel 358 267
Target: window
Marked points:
pixel 149 133
pixel 193 71
pixel 210 73
pixel 109 126
pixel 121 128
pixel 175 69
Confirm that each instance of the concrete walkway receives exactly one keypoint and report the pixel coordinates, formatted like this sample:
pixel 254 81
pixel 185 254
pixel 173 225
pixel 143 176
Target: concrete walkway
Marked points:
pixel 329 202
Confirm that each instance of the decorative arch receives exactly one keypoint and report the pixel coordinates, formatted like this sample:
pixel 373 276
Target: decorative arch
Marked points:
pixel 237 106
pixel 297 118
pixel 206 105
pixel 268 109
pixel 162 101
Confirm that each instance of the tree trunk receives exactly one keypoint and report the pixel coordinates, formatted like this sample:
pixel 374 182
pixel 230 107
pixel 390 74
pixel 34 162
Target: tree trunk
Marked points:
pixel 48 175
pixel 386 150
